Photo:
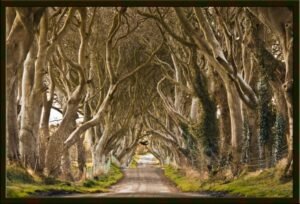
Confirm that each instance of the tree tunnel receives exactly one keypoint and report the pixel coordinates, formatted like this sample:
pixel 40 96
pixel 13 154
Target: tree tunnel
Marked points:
pixel 212 92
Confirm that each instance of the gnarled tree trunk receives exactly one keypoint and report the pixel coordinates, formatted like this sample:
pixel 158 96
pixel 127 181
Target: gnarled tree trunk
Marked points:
pixel 32 99
pixel 18 43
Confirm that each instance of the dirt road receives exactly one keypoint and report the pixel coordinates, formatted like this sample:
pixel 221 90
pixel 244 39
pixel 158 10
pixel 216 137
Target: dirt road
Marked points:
pixel 147 180
pixel 142 182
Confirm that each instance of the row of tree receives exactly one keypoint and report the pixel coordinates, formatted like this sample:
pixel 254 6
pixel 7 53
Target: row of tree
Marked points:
pixel 208 88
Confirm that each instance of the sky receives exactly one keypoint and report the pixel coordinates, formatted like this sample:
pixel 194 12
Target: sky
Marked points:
pixel 56 117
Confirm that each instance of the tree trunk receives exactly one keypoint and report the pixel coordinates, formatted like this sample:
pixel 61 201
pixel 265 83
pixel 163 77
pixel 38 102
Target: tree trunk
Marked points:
pixel 66 166
pixel 81 158
pixel 99 162
pixel 44 134
pixel 54 151
pixel 10 17
pixel 282 25
pixel 288 92
pixel 178 102
pixel 225 130
pixel 98 150
pixel 56 146
pixel 236 122
pixel 28 139
pixel 206 130
pixel 18 44
pixel 252 116
pixel 32 97
pixel 11 126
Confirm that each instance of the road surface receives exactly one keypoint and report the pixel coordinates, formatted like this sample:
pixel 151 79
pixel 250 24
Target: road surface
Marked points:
pixel 147 180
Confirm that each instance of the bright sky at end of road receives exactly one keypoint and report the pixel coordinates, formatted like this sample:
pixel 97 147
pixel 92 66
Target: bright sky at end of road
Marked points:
pixel 56 117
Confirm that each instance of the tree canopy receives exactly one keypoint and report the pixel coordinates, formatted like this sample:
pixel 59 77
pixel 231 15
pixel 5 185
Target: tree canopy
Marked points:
pixel 209 88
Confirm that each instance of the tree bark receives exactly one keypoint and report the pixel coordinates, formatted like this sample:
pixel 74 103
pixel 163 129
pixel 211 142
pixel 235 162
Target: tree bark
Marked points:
pixel 66 166
pixel 32 97
pixel 236 122
pixel 98 150
pixel 10 17
pixel 194 113
pixel 281 25
pixel 18 44
pixel 81 158
pixel 220 97
pixel 27 138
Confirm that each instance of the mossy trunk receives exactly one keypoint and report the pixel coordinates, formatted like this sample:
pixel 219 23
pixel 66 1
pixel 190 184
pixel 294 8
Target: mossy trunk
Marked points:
pixel 206 131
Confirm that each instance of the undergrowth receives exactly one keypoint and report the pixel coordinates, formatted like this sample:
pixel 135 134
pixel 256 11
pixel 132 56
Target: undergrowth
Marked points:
pixel 265 184
pixel 184 183
pixel 21 184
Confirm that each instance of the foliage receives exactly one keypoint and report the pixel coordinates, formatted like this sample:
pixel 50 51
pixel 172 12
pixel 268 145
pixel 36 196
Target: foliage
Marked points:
pixel 207 129
pixel 51 181
pixel 203 134
pixel 206 132
pixel 191 143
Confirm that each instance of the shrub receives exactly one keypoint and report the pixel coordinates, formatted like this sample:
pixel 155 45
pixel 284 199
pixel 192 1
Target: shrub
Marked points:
pixel 89 183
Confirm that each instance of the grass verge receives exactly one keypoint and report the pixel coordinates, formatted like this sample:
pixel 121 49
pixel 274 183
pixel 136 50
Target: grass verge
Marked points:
pixel 133 163
pixel 184 183
pixel 256 184
pixel 21 184
pixel 264 184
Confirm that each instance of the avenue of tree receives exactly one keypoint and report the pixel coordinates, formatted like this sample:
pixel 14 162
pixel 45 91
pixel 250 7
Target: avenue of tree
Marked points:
pixel 207 88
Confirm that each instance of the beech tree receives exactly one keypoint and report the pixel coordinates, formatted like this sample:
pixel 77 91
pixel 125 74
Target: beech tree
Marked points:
pixel 207 88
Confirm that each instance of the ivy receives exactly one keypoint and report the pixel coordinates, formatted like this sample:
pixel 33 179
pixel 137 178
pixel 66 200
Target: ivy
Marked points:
pixel 191 142
pixel 265 111
pixel 279 139
pixel 246 141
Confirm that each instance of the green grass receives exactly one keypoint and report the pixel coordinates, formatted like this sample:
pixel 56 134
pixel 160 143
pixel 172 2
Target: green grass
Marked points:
pixel 133 163
pixel 265 184
pixel 22 184
pixel 184 183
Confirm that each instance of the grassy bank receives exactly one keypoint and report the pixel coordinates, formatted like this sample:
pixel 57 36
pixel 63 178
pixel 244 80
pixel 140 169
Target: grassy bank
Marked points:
pixel 184 183
pixel 21 184
pixel 133 163
pixel 256 184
